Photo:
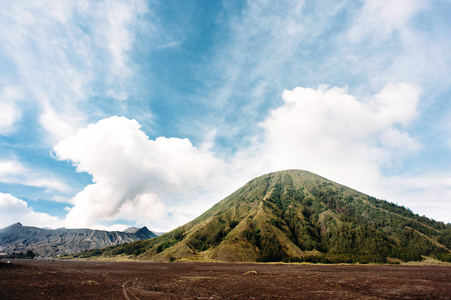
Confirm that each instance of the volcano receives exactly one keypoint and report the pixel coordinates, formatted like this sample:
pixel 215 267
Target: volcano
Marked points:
pixel 297 216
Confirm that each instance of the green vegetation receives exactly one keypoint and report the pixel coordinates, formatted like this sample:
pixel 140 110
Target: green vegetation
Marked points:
pixel 28 255
pixel 297 216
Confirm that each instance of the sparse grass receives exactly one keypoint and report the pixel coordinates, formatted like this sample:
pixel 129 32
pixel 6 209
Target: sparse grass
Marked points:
pixel 252 273
pixel 428 261
pixel 65 257
pixel 197 258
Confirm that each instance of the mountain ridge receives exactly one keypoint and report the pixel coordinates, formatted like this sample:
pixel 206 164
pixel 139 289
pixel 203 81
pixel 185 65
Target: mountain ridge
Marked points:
pixel 55 242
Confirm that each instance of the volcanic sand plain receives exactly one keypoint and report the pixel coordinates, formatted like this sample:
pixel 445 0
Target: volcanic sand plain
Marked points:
pixel 72 279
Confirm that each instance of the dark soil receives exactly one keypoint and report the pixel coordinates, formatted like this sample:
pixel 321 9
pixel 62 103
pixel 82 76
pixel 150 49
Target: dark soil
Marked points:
pixel 46 279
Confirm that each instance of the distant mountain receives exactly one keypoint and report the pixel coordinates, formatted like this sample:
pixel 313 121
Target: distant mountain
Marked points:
pixel 54 242
pixel 297 216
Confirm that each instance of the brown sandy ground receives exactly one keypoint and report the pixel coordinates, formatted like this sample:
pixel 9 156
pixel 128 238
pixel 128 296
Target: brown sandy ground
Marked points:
pixel 70 279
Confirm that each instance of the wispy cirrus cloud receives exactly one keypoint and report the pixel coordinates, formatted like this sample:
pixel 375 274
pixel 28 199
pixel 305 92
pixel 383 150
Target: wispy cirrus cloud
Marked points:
pixel 14 172
pixel 61 54
pixel 379 20
pixel 401 41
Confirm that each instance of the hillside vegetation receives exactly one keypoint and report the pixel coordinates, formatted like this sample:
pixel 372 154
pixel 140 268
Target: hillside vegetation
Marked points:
pixel 297 216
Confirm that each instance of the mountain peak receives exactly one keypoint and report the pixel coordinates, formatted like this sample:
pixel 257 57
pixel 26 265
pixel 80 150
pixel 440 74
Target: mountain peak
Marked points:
pixel 144 228
pixel 131 229
pixel 14 226
pixel 144 233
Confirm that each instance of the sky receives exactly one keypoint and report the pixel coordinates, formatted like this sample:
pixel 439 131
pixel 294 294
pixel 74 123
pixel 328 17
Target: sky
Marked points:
pixel 118 113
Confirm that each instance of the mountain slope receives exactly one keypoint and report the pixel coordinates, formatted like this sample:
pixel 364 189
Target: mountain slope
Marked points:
pixel 298 216
pixel 49 243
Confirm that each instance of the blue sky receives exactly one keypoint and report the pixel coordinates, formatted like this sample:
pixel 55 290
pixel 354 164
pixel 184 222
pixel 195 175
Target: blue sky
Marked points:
pixel 131 113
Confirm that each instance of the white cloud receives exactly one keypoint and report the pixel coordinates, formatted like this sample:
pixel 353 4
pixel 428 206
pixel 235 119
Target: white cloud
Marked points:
pixel 57 124
pixel 131 172
pixel 8 116
pixel 13 171
pixel 114 227
pixel 397 40
pixel 61 199
pixel 10 167
pixel 378 19
pixel 16 210
pixel 397 103
pixel 143 208
pixel 395 140
pixel 114 22
pixel 62 53
pixel 169 45
pixel 427 194
pixel 9 111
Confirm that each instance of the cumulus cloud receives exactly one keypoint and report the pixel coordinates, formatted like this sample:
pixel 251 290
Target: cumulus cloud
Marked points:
pixel 133 177
pixel 16 210
pixel 143 208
